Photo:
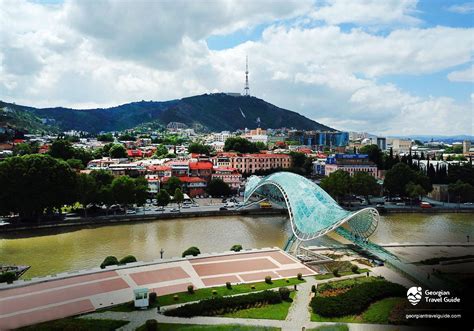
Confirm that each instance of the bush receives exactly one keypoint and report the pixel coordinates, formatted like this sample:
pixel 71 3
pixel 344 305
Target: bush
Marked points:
pixel 313 288
pixel 287 280
pixel 252 287
pixel 355 269
pixel 236 248
pixel 300 276
pixel 151 325
pixel 335 272
pixel 194 251
pixel 268 279
pixel 214 292
pixel 356 299
pixel 128 259
pixel 228 285
pixel 223 305
pixel 109 260
pixel 152 297
pixel 7 277
pixel 190 289
pixel 175 297
pixel 284 293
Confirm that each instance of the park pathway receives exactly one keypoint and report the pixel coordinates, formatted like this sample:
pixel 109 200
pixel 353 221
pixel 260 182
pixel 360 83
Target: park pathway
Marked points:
pixel 298 314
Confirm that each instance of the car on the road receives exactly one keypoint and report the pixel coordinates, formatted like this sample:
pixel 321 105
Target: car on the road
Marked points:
pixel 131 212
pixel 223 208
pixel 468 203
pixel 2 223
pixel 195 205
pixel 400 204
pixel 174 210
pixel 186 206
pixel 426 205
pixel 159 209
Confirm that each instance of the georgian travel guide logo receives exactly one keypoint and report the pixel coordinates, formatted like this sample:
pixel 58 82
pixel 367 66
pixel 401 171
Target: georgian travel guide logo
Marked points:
pixel 414 295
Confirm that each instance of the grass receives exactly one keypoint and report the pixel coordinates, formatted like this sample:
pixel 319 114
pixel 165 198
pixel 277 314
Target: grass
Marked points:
pixel 77 324
pixel 196 327
pixel 345 273
pixel 343 319
pixel 379 312
pixel 206 293
pixel 336 327
pixel 271 312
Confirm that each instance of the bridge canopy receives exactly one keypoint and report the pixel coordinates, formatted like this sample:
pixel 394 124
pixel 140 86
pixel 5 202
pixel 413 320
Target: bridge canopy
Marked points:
pixel 312 211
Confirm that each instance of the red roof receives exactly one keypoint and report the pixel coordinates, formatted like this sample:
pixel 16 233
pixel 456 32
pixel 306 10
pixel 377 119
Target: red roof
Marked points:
pixel 159 168
pixel 267 155
pixel 18 141
pixel 134 153
pixel 186 179
pixel 201 165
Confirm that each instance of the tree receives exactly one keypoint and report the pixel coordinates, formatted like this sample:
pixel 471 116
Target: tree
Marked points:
pixel 163 198
pixel 109 260
pixel 178 197
pixel 105 137
pixel 140 193
pixel 236 248
pixel 374 153
pixel 217 188
pixel 75 164
pixel 127 137
pixel 308 165
pixel 172 184
pixel 193 250
pixel 464 192
pixel 33 184
pixel 199 148
pixel 364 184
pixel 25 149
pixel 297 159
pixel 102 177
pixel 123 190
pixel 86 190
pixel 61 149
pixel 337 184
pixel 415 191
pixel 161 151
pixel 397 178
pixel 241 145
pixel 117 151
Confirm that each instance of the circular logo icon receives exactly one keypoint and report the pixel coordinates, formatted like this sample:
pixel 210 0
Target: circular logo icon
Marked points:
pixel 414 295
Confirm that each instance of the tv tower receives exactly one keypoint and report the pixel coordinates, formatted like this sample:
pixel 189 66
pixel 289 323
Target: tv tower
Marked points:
pixel 246 88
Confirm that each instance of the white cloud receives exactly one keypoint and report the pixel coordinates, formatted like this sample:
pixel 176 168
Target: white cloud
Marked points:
pixel 368 12
pixel 465 8
pixel 75 55
pixel 466 75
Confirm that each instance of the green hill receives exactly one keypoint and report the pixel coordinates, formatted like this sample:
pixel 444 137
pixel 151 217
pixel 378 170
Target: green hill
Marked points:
pixel 212 112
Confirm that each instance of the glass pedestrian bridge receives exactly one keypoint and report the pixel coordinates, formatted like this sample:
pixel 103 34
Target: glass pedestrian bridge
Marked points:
pixel 312 211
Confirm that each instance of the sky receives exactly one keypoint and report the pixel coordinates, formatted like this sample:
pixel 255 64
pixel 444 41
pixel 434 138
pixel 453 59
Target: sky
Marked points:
pixel 391 67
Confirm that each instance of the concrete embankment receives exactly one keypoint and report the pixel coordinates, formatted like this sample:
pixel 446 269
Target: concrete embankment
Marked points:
pixel 118 219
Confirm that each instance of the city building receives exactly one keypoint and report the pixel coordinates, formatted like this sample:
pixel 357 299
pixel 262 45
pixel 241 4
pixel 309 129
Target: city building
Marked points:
pixel 202 169
pixel 399 146
pixel 320 140
pixel 250 163
pixel 466 146
pixel 352 163
pixel 230 176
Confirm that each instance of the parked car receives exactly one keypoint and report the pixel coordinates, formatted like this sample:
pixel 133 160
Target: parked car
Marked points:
pixel 186 206
pixel 223 208
pixel 131 211
pixel 174 210
pixel 3 223
pixel 159 209
pixel 425 205
pixel 195 205
pixel 400 204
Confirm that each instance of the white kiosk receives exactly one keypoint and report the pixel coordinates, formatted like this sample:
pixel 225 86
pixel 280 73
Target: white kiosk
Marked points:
pixel 141 297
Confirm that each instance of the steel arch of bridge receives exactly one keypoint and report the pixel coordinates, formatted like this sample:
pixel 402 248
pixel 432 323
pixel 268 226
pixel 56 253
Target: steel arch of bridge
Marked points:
pixel 312 211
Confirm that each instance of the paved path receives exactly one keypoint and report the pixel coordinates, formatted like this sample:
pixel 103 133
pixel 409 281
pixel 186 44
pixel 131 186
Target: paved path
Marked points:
pixel 299 314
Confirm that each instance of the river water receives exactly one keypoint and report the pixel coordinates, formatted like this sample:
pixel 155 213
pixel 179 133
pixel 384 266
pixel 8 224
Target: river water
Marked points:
pixel 59 250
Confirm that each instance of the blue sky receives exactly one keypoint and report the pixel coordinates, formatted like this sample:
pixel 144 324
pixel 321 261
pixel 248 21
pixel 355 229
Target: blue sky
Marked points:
pixel 388 67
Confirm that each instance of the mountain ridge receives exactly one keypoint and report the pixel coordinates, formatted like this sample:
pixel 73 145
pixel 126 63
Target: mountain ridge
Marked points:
pixel 207 112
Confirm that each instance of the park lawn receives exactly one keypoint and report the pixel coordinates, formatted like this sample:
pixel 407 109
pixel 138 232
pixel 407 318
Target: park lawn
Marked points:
pixel 206 293
pixel 336 327
pixel 342 319
pixel 379 312
pixel 196 327
pixel 345 273
pixel 271 312
pixel 77 324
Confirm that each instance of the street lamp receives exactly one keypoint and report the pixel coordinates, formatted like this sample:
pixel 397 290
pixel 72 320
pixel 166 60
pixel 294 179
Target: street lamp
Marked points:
pixel 161 253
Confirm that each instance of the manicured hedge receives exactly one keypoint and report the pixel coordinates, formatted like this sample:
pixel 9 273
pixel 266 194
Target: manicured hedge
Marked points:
pixel 128 259
pixel 222 305
pixel 109 260
pixel 357 299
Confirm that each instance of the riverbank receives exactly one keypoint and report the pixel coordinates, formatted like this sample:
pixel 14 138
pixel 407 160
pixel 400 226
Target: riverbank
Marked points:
pixel 115 219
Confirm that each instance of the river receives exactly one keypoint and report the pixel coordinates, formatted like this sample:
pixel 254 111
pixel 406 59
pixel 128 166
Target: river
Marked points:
pixel 59 250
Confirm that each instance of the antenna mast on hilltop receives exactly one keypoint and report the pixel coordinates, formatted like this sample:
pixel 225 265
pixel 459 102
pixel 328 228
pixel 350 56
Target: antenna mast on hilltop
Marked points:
pixel 246 88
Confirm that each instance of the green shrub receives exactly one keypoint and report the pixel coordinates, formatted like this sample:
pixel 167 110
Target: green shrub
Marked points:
pixel 175 297
pixel 7 277
pixel 194 251
pixel 284 293
pixel 222 305
pixel 252 287
pixel 356 299
pixel 151 325
pixel 190 289
pixel 335 272
pixel 214 292
pixel 268 279
pixel 109 260
pixel 236 248
pixel 355 269
pixel 128 259
pixel 228 285
pixel 300 276
pixel 313 288
pixel 152 297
